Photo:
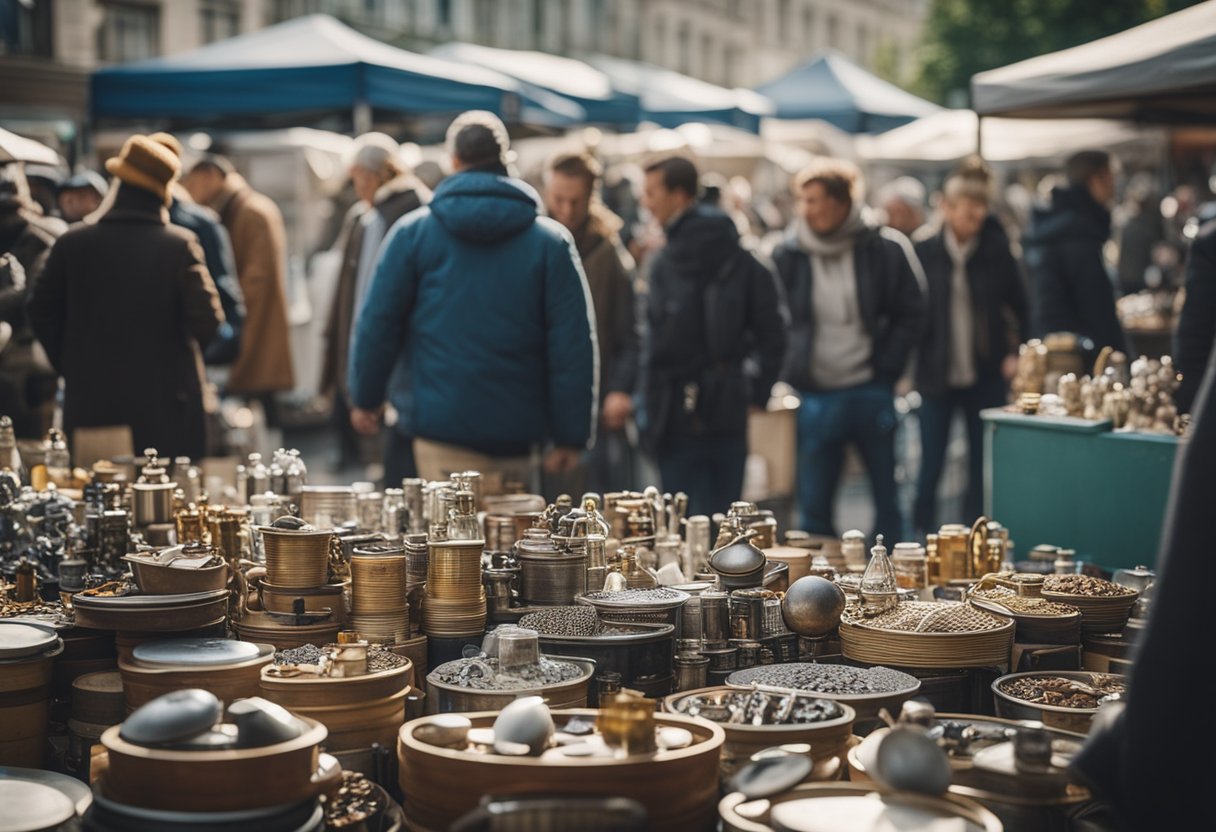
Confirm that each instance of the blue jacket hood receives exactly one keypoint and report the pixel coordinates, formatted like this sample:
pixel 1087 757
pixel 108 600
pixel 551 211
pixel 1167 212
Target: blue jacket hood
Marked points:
pixel 484 208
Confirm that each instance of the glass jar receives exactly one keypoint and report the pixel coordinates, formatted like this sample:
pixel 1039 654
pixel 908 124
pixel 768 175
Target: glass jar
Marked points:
pixel 910 566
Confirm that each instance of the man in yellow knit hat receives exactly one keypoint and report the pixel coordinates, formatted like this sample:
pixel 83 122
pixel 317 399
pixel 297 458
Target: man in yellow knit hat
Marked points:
pixel 123 307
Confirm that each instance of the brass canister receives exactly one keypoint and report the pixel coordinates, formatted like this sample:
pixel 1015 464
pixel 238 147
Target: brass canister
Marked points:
pixel 626 722
pixel 954 557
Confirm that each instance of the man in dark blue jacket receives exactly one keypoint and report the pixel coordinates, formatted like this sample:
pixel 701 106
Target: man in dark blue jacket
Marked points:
pixel 1063 251
pixel 489 300
pixel 217 252
pixel 711 310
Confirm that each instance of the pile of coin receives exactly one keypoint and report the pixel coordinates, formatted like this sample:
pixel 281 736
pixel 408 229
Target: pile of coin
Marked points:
pixel 563 621
pixel 455 603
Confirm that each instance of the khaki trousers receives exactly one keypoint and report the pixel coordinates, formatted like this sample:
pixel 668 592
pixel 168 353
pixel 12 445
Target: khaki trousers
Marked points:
pixel 437 461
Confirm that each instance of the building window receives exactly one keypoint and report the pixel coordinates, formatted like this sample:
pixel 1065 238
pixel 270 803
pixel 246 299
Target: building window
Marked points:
pixel 25 28
pixel 128 32
pixel 220 19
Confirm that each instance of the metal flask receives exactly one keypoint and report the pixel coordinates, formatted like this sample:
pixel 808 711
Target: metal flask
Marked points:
pixel 549 576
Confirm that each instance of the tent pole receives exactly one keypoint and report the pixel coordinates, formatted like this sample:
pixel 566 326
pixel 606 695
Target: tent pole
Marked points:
pixel 979 135
pixel 361 117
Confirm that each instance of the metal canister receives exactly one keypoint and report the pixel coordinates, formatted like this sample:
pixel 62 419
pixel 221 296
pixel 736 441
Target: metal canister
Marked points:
pixel 369 507
pixel 548 576
pixel 226 534
pixel 697 536
pixel 692 670
pixel 415 521
pixel 723 659
pixel 749 652
pixel 715 619
pixel 747 614
pixel 113 538
pixel 952 552
pixel 392 513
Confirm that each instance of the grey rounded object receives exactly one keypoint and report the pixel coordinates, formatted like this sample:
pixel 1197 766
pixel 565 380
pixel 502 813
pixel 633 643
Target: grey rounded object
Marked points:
pixel 768 776
pixel 260 722
pixel 907 760
pixel 737 559
pixel 812 606
pixel 19 639
pixel 30 807
pixel 172 717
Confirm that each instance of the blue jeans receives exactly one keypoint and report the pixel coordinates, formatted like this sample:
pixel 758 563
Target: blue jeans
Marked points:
pixel 709 469
pixel 829 421
pixel 935 415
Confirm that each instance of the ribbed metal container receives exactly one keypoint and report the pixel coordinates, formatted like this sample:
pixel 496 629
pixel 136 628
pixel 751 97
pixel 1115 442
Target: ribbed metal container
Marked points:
pixel 443 698
pixel 641 653
pixel 548 576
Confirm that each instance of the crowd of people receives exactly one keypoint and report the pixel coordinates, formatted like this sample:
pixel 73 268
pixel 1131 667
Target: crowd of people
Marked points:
pixel 495 326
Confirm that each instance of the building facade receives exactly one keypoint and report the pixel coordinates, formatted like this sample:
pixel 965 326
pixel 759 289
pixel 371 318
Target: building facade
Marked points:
pixel 48 47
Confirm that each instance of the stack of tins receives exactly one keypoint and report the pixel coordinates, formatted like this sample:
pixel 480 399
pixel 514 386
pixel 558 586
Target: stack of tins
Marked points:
pixel 27 654
pixel 297 565
pixel 455 604
pixel 359 711
pixel 828 740
pixel 229 669
pixel 378 587
pixel 678 788
pixel 97 703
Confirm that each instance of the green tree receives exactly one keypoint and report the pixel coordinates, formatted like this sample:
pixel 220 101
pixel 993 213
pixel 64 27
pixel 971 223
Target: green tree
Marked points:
pixel 963 37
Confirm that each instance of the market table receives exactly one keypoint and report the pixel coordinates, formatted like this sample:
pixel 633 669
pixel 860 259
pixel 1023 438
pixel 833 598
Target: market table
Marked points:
pixel 1076 483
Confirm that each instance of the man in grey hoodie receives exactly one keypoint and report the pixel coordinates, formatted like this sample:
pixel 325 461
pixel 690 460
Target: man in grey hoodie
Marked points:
pixel 856 312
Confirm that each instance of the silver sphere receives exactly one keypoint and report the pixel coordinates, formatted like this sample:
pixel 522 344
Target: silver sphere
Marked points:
pixel 812 606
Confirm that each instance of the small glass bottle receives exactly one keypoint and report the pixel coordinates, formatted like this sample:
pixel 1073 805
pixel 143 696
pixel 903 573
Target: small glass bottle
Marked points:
pixel 58 458
pixel 878 584
pixel 853 549
pixel 10 457
pixel 462 518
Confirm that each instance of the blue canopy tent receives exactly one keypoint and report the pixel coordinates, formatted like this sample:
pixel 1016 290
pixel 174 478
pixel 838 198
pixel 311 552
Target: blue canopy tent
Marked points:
pixel 581 83
pixel 670 99
pixel 311 64
pixel 831 88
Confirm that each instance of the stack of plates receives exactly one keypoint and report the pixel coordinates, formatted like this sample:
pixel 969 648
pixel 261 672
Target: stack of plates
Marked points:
pixel 328 506
pixel 455 603
pixel 929 634
pixel 159 613
pixel 296 559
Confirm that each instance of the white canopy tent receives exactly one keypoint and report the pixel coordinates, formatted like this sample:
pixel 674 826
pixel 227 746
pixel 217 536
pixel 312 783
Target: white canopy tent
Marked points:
pixel 1162 72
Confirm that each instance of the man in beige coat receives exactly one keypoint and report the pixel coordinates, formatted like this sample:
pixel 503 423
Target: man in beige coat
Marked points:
pixel 259 244
pixel 571 197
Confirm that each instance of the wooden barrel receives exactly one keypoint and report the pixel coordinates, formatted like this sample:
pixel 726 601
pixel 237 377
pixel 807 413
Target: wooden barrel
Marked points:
pixel 263 629
pixel 358 711
pixel 230 780
pixel 84 651
pixel 678 788
pixel 415 650
pixel 25 708
pixel 143 682
pixel 828 740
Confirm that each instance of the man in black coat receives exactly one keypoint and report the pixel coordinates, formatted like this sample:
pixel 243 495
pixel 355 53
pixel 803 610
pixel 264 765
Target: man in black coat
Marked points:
pixel 857 312
pixel 1063 252
pixel 711 306
pixel 1197 324
pixel 978 317
pixel 124 305
pixel 1123 758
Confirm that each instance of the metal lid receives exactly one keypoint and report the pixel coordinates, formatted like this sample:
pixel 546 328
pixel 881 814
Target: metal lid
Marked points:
pixel 172 717
pixel 29 807
pixel 19 639
pixel 76 791
pixel 739 557
pixel 202 652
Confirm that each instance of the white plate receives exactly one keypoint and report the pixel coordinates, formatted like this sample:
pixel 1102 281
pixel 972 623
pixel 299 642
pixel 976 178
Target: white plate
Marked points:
pixel 19 639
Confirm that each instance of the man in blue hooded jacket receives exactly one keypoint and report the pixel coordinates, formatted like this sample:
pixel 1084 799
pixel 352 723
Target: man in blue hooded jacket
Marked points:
pixel 489 300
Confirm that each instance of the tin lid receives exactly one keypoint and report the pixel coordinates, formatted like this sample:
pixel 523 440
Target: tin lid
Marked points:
pixel 203 652
pixel 29 806
pixel 19 639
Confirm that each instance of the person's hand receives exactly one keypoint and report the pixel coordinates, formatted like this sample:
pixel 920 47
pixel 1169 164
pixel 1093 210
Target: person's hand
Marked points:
pixel 1009 367
pixel 561 460
pixel 366 422
pixel 618 407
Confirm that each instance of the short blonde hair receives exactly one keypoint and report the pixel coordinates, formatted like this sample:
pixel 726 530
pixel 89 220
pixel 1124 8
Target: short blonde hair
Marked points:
pixel 841 179
pixel 972 180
